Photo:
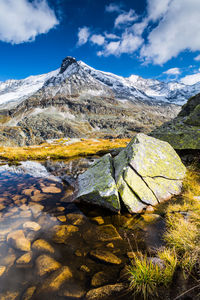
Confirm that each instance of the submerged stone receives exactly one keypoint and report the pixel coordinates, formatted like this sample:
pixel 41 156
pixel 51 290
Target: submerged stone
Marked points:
pixel 63 232
pixel 42 246
pixel 97 185
pixel 105 292
pixel 46 264
pixel 105 256
pixel 17 240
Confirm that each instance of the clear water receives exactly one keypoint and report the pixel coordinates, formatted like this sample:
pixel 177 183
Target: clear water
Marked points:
pixel 23 188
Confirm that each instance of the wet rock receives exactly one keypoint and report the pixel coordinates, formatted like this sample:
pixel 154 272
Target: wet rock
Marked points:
pixel 36 209
pixel 9 295
pixel 42 246
pixel 104 292
pixel 62 232
pixel 29 293
pixel 31 226
pixel 107 233
pixel 110 245
pixel 151 218
pixel 28 192
pixel 98 220
pixel 62 218
pixel 17 240
pixel 72 290
pixel 76 218
pixel 104 277
pixel 39 197
pixel 2 206
pixel 60 208
pixel 85 269
pixel 46 264
pixel 2 270
pixel 24 259
pixel 97 185
pixel 25 214
pixel 51 189
pixel 54 281
pixel 105 256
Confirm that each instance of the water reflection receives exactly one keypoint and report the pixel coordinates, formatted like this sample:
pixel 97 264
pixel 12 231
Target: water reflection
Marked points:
pixel 50 248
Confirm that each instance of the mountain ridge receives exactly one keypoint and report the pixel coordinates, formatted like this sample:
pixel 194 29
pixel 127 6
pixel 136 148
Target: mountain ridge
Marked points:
pixel 78 101
pixel 133 88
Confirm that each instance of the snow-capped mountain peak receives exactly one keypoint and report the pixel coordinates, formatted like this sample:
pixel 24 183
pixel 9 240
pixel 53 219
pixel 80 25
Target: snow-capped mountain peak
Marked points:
pixel 75 78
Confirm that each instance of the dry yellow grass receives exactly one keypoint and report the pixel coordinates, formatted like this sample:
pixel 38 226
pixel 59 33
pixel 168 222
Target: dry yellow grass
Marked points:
pixel 59 150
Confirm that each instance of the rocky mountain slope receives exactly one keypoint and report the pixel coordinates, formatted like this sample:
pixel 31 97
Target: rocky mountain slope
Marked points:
pixel 79 101
pixel 183 132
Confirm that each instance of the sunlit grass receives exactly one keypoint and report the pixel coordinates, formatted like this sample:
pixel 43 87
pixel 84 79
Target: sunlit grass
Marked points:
pixel 182 237
pixel 145 276
pixel 59 150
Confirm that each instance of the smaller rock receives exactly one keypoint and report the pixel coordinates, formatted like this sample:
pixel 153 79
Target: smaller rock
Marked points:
pixel 105 292
pixel 76 218
pixel 29 293
pixel 60 208
pixel 62 218
pixel 2 206
pixel 46 264
pixel 42 246
pixel 98 220
pixel 17 240
pixel 31 226
pixel 36 209
pixel 105 256
pixel 9 295
pixel 104 277
pixel 110 245
pixel 72 290
pixel 85 269
pixel 24 259
pixel 51 189
pixel 54 282
pixel 151 218
pixel 2 270
pixel 63 232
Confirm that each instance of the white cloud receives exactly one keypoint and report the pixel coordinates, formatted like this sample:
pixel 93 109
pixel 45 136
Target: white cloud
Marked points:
pixel 174 33
pixel 191 79
pixel 125 18
pixel 21 20
pixel 173 71
pixel 128 44
pixel 83 35
pixel 111 36
pixel 157 8
pixel 138 28
pixel 113 7
pixel 197 58
pixel 97 39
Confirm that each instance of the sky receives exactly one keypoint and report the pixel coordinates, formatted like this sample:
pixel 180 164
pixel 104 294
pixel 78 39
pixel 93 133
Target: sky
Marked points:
pixel 151 38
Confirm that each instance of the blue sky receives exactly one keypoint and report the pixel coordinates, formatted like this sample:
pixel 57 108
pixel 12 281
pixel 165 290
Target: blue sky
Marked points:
pixel 151 38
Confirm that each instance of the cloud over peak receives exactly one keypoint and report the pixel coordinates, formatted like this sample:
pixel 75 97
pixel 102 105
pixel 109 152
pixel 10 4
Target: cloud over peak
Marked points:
pixel 21 20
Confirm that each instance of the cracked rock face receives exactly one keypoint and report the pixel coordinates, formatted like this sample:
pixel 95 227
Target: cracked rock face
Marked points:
pixel 183 132
pixel 147 172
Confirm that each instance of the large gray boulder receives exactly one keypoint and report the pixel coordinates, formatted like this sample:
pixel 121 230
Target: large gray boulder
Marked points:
pixel 150 170
pixel 147 172
pixel 97 185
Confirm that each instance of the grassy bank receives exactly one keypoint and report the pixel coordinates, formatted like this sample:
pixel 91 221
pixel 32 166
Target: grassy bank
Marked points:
pixel 181 253
pixel 61 149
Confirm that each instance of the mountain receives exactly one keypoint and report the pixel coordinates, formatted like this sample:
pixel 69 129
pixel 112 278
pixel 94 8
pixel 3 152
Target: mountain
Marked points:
pixel 183 132
pixel 77 100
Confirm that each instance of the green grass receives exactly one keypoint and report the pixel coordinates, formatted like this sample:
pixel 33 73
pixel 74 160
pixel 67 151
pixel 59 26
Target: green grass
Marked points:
pixel 182 237
pixel 145 276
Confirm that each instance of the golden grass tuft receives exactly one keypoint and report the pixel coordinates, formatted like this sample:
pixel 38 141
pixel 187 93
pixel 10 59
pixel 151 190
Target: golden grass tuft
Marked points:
pixel 60 150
